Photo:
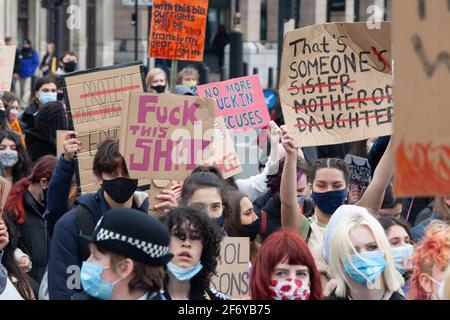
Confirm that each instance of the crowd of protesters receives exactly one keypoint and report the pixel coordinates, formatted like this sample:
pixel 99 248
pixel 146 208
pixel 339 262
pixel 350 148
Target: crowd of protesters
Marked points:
pixel 311 236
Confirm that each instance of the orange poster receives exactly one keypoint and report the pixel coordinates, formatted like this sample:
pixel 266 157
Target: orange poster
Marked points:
pixel 178 29
pixel 422 97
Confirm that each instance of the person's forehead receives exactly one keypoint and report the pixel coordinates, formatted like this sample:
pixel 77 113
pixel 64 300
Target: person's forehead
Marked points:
pixel 361 235
pixel 7 142
pixel 329 174
pixel 397 231
pixel 207 195
pixel 69 57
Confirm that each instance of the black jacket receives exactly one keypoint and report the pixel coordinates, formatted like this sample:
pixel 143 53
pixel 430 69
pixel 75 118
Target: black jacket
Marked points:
pixel 32 236
pixel 29 115
pixel 38 146
pixel 198 293
pixel 271 206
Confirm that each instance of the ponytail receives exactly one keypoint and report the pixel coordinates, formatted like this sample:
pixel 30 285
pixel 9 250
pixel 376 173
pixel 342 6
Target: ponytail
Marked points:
pixel 14 202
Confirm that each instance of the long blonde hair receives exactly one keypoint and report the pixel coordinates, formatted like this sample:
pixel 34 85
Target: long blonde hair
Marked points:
pixel 342 248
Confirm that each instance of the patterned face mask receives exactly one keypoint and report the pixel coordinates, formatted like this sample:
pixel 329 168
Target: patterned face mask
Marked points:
pixel 9 158
pixel 290 289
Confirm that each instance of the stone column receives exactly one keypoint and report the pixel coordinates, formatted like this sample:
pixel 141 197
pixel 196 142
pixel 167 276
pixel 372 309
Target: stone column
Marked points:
pixel 8 19
pixel 105 32
pixel 78 36
pixel 250 19
pixel 321 11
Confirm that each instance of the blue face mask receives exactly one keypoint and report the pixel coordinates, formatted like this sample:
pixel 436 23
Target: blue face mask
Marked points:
pixel 219 221
pixel 328 202
pixel 93 283
pixel 184 274
pixel 46 97
pixel 401 256
pixel 365 268
pixel 301 200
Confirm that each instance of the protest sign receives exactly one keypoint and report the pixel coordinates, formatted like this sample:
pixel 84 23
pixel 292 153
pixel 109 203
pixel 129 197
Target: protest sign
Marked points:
pixel 232 267
pixel 5 188
pixel 7 58
pixel 94 107
pixel 422 77
pixel 336 83
pixel 222 152
pixel 360 172
pixel 240 102
pixel 177 30
pixel 164 135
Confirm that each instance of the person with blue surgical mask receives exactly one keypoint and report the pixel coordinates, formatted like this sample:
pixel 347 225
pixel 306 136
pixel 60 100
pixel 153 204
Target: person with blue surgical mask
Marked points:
pixel 399 237
pixel 195 245
pixel 361 260
pixel 45 91
pixel 129 250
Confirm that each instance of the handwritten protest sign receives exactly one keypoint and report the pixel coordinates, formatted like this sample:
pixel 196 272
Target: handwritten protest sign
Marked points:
pixel 7 58
pixel 178 29
pixel 336 83
pixel 232 268
pixel 240 102
pixel 422 77
pixel 164 135
pixel 94 108
pixel 222 152
pixel 5 188
pixel 360 172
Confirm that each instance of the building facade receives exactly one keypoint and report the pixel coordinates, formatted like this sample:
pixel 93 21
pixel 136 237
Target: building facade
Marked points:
pixel 102 32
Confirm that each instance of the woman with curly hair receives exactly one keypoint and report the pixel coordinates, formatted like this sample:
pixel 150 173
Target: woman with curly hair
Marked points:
pixel 285 269
pixel 13 156
pixel 195 244
pixel 431 258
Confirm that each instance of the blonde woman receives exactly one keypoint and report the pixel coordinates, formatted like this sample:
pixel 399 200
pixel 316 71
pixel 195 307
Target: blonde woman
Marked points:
pixel 157 81
pixel 361 260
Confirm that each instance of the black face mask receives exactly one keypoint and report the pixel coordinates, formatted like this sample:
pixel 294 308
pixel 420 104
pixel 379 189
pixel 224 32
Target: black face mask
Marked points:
pixel 70 66
pixel 120 189
pixel 60 96
pixel 251 230
pixel 159 89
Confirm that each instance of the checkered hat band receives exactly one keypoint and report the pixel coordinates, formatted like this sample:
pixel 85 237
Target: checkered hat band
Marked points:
pixel 153 250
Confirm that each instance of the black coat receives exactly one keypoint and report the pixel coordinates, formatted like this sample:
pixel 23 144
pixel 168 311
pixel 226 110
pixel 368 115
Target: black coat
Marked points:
pixel 38 146
pixel 29 115
pixel 31 237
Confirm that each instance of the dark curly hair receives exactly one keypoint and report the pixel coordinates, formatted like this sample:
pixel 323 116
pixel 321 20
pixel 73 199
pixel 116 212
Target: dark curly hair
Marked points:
pixel 51 117
pixel 22 167
pixel 210 234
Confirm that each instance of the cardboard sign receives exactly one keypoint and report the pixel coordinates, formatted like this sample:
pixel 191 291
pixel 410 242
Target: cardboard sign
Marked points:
pixel 232 268
pixel 360 172
pixel 336 83
pixel 240 102
pixel 94 108
pixel 5 188
pixel 164 135
pixel 422 94
pixel 178 29
pixel 7 58
pixel 222 152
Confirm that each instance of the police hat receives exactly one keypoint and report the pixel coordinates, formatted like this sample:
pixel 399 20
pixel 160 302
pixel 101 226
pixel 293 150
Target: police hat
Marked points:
pixel 133 234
